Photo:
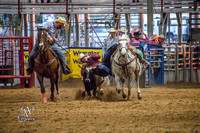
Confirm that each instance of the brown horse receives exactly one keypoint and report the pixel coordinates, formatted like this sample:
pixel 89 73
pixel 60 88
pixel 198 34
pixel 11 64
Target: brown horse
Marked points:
pixel 46 64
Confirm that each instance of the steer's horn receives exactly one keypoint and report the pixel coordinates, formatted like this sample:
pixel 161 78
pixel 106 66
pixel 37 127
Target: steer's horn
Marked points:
pixel 32 108
pixel 22 108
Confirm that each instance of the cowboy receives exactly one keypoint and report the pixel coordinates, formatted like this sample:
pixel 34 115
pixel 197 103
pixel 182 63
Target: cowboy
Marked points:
pixel 158 41
pixel 121 32
pixel 53 33
pixel 137 38
pixel 93 60
pixel 106 60
pixel 161 40
pixel 112 39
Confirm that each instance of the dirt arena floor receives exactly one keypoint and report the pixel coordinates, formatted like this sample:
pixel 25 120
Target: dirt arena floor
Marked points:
pixel 173 108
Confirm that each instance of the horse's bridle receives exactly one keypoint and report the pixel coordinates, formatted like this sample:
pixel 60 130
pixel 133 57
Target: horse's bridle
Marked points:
pixel 43 50
pixel 125 64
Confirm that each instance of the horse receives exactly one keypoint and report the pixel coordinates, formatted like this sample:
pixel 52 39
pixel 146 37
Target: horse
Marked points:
pixel 46 64
pixel 126 66
pixel 92 81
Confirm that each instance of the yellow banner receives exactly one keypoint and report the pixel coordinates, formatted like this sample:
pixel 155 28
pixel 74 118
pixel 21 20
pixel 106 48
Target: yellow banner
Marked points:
pixel 72 60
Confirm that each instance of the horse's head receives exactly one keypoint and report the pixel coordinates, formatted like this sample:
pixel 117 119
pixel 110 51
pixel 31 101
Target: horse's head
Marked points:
pixel 42 39
pixel 123 44
pixel 89 74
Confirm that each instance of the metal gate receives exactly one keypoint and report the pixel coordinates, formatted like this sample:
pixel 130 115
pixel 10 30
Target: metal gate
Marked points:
pixel 14 52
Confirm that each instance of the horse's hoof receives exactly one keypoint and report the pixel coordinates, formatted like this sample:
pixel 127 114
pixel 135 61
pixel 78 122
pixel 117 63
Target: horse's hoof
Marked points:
pixel 51 99
pixel 118 91
pixel 139 96
pixel 57 92
pixel 101 92
pixel 44 100
pixel 129 99
pixel 123 95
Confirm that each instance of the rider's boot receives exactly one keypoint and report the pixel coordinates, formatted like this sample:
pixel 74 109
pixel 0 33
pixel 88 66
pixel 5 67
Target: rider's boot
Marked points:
pixel 143 61
pixel 29 70
pixel 65 69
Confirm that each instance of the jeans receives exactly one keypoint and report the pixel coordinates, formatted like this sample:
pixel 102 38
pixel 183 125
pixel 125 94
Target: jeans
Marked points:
pixel 102 70
pixel 106 60
pixel 54 47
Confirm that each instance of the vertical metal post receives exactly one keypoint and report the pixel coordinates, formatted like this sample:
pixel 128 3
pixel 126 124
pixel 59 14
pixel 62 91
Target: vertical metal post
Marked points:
pixel 77 30
pixel 22 62
pixel 113 7
pixel 32 79
pixel 162 67
pixel 87 31
pixel 2 56
pixel 177 64
pixel 19 14
pixel 67 4
pixel 179 20
pixel 128 22
pixel 169 28
pixel 150 17
pixel 141 22
pixel 184 63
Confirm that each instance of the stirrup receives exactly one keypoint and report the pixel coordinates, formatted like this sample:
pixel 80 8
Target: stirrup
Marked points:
pixel 29 70
pixel 66 70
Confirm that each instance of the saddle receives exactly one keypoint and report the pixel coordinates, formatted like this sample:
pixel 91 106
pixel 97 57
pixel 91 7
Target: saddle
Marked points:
pixel 50 62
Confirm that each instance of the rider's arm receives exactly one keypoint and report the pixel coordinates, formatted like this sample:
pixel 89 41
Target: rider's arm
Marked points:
pixel 48 27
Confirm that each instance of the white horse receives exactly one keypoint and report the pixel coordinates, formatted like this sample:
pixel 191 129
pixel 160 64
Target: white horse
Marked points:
pixel 126 65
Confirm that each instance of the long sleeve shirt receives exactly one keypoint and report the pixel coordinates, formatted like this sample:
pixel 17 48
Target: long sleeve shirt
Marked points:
pixel 141 40
pixel 52 30
pixel 110 42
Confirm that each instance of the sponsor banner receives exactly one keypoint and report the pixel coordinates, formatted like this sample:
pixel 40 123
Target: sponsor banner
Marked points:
pixel 72 59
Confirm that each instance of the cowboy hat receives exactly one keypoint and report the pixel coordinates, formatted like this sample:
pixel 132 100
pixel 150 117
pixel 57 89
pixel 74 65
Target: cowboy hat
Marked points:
pixel 61 20
pixel 162 36
pixel 122 30
pixel 81 56
pixel 112 30
pixel 137 32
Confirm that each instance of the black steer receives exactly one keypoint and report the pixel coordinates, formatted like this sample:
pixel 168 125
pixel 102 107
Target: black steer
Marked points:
pixel 89 81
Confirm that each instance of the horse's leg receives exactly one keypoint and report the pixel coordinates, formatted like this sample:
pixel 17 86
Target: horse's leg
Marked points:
pixel 123 91
pixel 100 90
pixel 129 88
pixel 117 80
pixel 52 89
pixel 138 87
pixel 56 83
pixel 40 79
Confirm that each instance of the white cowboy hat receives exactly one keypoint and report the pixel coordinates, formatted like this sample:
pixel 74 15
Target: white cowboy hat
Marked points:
pixel 61 20
pixel 162 36
pixel 81 55
pixel 122 30
pixel 112 30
